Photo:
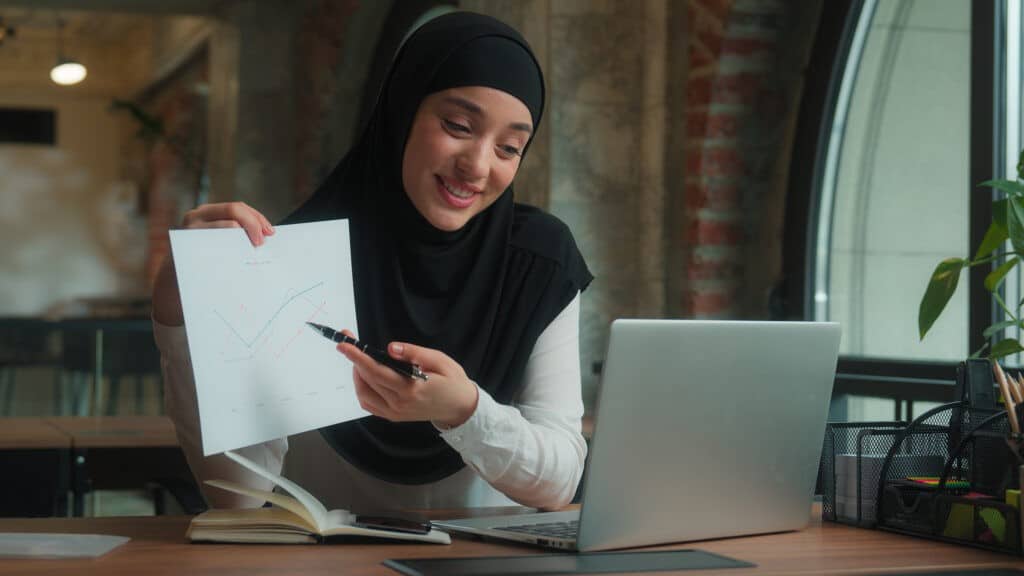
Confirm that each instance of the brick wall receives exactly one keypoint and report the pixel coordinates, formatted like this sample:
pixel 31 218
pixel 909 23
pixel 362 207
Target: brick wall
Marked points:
pixel 731 88
pixel 175 160
pixel 321 38
pixel 160 217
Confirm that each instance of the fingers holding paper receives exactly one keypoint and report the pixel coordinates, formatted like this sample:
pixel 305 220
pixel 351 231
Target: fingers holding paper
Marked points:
pixel 166 297
pixel 230 215
pixel 448 397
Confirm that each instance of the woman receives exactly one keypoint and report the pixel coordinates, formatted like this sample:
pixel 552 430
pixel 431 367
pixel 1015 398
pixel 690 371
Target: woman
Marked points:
pixel 482 293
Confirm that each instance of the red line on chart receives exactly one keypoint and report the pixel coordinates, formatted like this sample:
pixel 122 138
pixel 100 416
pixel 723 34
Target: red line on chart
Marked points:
pixel 250 343
pixel 301 328
pixel 264 337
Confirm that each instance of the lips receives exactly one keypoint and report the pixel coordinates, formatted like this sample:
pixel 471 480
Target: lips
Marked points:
pixel 445 188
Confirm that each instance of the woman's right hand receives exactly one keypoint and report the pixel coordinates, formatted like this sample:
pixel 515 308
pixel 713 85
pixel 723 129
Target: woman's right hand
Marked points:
pixel 166 299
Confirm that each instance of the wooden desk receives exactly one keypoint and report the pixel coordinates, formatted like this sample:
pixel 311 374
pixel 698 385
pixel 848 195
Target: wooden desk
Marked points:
pixel 158 548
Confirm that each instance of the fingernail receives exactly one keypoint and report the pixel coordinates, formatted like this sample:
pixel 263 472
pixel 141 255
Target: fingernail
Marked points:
pixel 269 230
pixel 397 348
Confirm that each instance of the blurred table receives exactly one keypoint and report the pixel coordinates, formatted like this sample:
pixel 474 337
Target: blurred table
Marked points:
pixel 43 459
pixel 116 431
pixel 122 452
pixel 31 433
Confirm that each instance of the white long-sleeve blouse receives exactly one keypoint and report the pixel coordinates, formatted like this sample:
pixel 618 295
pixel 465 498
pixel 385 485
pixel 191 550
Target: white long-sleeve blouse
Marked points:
pixel 531 452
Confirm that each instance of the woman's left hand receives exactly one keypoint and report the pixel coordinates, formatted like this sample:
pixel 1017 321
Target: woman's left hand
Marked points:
pixel 448 397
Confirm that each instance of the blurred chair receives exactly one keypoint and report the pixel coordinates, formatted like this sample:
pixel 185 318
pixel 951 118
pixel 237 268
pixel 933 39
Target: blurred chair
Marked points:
pixel 125 349
pixel 24 343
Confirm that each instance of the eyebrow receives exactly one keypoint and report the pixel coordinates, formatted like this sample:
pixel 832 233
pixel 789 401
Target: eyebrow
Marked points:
pixel 473 108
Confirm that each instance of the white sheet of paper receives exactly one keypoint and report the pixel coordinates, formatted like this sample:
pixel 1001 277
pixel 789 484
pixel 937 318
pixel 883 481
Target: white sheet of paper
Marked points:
pixel 260 372
pixel 57 545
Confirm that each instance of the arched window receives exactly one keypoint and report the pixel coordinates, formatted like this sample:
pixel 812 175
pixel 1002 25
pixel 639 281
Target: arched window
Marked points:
pixel 921 102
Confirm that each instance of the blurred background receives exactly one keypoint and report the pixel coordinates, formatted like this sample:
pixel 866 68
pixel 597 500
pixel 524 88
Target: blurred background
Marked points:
pixel 738 159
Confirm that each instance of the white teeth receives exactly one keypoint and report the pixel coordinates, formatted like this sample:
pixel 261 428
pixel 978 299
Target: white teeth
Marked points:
pixel 456 191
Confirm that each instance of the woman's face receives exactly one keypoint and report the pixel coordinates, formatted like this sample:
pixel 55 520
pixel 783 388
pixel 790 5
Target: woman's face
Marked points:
pixel 463 151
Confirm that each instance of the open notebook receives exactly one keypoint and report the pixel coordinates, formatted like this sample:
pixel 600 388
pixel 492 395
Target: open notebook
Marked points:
pixel 296 519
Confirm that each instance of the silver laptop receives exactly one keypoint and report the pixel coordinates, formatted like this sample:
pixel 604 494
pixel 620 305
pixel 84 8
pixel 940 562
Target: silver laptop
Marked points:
pixel 704 429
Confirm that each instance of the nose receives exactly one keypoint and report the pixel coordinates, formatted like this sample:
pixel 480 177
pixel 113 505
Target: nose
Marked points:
pixel 471 162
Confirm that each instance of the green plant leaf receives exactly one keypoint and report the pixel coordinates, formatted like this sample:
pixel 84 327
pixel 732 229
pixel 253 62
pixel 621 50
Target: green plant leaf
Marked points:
pixel 1015 223
pixel 993 329
pixel 1005 348
pixel 940 289
pixel 995 277
pixel 994 238
pixel 1012 188
pixel 999 213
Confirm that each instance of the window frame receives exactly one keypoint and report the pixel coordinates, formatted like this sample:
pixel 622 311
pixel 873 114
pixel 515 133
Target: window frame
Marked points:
pixel 901 380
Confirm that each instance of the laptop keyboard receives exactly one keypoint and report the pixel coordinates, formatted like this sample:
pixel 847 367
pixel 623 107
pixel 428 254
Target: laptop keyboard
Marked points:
pixel 551 529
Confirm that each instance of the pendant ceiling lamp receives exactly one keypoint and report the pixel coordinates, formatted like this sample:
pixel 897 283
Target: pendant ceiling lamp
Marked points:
pixel 66 71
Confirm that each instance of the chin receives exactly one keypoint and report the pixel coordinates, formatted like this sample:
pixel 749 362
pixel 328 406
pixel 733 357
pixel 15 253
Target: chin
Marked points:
pixel 447 223
pixel 453 226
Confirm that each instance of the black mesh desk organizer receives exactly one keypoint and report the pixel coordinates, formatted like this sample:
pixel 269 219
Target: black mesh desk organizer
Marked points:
pixel 944 476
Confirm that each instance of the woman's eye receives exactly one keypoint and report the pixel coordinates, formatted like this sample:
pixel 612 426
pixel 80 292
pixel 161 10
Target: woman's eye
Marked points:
pixel 456 127
pixel 508 151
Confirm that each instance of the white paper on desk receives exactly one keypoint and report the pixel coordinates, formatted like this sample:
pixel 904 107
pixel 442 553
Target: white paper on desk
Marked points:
pixel 260 372
pixel 52 545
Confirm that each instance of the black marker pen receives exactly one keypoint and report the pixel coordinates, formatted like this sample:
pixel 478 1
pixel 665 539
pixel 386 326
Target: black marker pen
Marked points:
pixel 404 368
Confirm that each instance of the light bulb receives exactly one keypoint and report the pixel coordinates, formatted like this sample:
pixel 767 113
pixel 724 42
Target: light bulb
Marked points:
pixel 67 72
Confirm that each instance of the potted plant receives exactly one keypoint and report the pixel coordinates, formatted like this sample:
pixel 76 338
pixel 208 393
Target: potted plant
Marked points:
pixel 1007 224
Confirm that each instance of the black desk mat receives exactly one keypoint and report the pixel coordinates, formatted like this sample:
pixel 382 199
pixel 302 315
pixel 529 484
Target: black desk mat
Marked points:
pixel 969 572
pixel 584 563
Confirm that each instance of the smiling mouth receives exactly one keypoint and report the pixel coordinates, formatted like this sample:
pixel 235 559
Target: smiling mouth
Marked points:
pixel 457 192
pixel 455 196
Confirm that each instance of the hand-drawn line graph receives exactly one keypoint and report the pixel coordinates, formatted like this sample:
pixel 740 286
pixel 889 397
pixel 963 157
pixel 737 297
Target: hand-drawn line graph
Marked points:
pixel 265 334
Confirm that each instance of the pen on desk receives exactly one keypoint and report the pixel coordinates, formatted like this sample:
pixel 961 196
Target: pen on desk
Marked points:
pixel 1004 387
pixel 404 368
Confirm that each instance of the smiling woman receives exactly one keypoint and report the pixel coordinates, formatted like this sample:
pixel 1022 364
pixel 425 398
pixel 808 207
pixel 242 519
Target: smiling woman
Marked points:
pixel 450 274
pixel 464 148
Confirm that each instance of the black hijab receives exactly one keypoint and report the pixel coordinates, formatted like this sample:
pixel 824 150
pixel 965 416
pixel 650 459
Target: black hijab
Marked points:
pixel 481 294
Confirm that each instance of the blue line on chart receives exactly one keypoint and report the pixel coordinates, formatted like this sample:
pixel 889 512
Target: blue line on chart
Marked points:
pixel 268 323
